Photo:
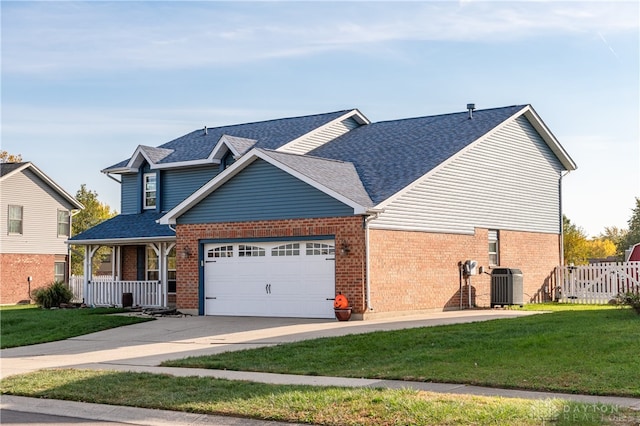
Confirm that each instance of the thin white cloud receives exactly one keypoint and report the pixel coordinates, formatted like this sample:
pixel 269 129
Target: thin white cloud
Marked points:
pixel 55 37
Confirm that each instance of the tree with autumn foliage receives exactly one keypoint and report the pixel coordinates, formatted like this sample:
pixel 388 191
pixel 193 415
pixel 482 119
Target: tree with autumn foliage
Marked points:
pixel 6 157
pixel 94 212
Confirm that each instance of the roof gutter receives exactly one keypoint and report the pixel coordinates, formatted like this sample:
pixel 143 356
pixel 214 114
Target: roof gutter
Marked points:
pixel 122 241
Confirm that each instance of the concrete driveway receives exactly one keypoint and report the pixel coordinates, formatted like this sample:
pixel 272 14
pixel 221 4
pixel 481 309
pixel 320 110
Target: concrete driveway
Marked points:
pixel 148 344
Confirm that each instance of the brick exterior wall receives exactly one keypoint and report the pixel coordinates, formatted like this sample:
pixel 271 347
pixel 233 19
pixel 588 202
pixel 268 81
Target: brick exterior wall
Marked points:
pixel 350 268
pixel 14 270
pixel 413 271
pixel 410 271
pixel 129 263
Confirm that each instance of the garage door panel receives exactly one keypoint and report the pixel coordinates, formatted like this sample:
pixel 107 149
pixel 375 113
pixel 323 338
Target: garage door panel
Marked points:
pixel 288 279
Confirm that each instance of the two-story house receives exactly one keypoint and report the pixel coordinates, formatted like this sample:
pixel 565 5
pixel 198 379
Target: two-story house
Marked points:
pixel 274 218
pixel 35 223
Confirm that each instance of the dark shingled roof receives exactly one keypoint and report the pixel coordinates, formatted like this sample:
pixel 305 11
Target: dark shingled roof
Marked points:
pixel 127 226
pixel 6 168
pixel 270 134
pixel 389 155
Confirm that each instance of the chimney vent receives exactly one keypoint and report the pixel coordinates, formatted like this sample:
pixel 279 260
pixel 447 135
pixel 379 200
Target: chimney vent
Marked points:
pixel 470 108
pixel 205 130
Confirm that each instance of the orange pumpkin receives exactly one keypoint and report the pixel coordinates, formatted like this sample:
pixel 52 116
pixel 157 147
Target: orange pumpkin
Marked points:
pixel 340 301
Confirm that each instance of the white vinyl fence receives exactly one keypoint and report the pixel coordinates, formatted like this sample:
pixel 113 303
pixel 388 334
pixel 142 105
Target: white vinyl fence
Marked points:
pixel 597 283
pixel 106 291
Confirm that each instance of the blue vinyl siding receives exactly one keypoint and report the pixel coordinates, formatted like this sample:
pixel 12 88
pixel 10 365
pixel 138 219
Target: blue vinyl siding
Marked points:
pixel 264 192
pixel 129 199
pixel 176 185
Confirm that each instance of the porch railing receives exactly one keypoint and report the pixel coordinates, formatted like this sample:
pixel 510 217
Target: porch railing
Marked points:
pixel 107 291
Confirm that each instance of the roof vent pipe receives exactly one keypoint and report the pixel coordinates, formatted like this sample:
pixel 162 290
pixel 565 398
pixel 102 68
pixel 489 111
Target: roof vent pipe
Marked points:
pixel 471 107
pixel 205 130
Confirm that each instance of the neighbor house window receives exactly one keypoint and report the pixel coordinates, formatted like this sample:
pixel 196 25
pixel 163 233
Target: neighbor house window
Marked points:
pixel 153 266
pixel 15 220
pixel 494 248
pixel 63 223
pixel 150 191
pixel 59 271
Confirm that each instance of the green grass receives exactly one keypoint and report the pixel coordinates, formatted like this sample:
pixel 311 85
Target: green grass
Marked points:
pixel 574 350
pixel 306 404
pixel 27 324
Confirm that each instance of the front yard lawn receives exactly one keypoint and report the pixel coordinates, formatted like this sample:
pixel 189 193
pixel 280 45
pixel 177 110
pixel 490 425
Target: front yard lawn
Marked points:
pixel 307 404
pixel 27 324
pixel 574 350
pixel 587 351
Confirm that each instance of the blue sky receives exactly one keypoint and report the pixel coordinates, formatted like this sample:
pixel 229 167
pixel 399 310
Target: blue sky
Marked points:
pixel 85 83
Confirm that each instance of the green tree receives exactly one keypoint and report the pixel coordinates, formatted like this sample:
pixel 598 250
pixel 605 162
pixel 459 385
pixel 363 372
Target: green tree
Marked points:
pixel 616 236
pixel 632 235
pixel 575 243
pixel 5 157
pixel 94 212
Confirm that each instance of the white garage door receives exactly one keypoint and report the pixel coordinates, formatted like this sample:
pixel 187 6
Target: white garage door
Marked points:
pixel 273 279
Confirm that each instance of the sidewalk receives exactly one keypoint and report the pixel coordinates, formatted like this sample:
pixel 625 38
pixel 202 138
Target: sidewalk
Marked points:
pixel 142 347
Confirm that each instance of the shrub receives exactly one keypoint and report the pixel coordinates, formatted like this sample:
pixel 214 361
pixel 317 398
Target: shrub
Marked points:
pixel 630 298
pixel 53 295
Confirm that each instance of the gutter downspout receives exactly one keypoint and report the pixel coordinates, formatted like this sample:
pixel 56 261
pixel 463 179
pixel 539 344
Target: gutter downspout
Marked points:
pixel 370 215
pixel 112 178
pixel 73 213
pixel 561 218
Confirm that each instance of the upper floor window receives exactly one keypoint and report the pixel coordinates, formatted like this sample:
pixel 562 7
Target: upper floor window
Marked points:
pixel 63 223
pixel 494 247
pixel 150 191
pixel 15 220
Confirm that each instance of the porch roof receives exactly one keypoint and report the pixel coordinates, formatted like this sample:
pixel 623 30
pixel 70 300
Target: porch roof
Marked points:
pixel 126 229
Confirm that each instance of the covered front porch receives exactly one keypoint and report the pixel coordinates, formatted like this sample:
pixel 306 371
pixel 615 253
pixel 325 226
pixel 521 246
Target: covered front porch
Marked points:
pixel 141 275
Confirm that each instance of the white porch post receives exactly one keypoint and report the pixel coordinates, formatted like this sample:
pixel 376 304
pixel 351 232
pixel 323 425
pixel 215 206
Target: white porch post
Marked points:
pixel 89 251
pixel 115 263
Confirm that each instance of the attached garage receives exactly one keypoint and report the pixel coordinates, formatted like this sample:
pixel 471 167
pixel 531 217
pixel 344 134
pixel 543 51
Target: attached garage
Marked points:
pixel 270 279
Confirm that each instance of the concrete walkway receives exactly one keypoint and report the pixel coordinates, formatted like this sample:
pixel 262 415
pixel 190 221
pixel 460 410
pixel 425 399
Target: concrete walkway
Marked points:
pixel 142 347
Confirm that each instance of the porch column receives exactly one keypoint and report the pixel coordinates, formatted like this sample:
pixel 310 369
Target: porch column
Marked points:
pixel 115 263
pixel 89 251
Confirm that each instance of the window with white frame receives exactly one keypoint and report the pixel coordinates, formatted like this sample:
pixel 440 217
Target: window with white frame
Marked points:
pixel 59 271
pixel 150 193
pixel 153 265
pixel 494 247
pixel 63 223
pixel 15 220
